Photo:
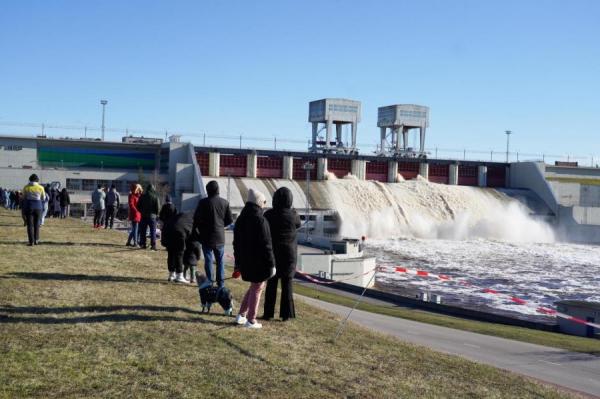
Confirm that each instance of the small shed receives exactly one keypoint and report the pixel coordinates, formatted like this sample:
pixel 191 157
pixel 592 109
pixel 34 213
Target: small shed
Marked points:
pixel 584 310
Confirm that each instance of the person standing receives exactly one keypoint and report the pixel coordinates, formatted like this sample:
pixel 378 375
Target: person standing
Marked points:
pixel 98 200
pixel 211 217
pixel 253 252
pixel 113 201
pixel 149 206
pixel 175 234
pixel 167 211
pixel 33 197
pixel 45 204
pixel 65 203
pixel 283 222
pixel 134 214
pixel 55 203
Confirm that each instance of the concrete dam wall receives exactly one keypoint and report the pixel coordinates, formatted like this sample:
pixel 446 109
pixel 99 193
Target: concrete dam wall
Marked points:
pixel 413 208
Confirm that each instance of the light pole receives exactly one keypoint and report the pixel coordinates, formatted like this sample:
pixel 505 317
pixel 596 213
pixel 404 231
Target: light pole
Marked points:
pixel 307 167
pixel 103 102
pixel 508 133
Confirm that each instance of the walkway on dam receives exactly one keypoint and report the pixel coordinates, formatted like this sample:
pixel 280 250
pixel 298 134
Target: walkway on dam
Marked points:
pixel 575 371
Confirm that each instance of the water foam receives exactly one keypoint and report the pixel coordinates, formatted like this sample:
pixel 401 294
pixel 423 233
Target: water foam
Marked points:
pixel 420 209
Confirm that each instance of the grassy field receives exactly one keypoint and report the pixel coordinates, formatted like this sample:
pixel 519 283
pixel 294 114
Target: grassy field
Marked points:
pixel 556 340
pixel 83 316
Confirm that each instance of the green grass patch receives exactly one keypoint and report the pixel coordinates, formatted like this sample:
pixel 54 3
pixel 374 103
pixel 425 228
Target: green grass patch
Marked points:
pixel 81 316
pixel 556 340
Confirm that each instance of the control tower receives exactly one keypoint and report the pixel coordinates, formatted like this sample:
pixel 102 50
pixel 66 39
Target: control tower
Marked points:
pixel 338 112
pixel 401 118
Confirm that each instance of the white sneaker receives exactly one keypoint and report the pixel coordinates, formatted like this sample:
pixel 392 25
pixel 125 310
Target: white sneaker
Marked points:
pixel 180 279
pixel 241 319
pixel 171 276
pixel 252 325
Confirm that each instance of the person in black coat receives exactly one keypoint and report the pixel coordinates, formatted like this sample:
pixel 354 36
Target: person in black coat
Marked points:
pixel 174 237
pixel 167 211
pixel 65 202
pixel 253 254
pixel 283 222
pixel 210 219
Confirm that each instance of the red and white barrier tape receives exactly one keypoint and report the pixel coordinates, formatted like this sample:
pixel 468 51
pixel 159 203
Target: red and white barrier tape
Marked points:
pixel 314 280
pixel 519 301
pixel 444 277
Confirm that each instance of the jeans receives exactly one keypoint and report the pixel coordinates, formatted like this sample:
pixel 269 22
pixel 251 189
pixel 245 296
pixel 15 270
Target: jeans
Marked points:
pixel 210 255
pixel 133 234
pixel 148 222
pixel 250 302
pixel 44 212
pixel 110 216
pixel 33 224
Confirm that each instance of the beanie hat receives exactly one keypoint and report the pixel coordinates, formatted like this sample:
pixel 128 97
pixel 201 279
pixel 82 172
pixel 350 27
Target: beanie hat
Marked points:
pixel 256 197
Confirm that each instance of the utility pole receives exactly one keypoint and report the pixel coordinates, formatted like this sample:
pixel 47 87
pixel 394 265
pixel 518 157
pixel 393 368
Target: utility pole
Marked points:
pixel 508 133
pixel 103 102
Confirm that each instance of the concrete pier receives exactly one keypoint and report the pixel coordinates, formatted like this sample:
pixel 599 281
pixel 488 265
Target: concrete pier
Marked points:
pixel 214 163
pixel 424 170
pixel 321 168
pixel 453 174
pixel 392 172
pixel 251 165
pixel 359 168
pixel 288 167
pixel 482 176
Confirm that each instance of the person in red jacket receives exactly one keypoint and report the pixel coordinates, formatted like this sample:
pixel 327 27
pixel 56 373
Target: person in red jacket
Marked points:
pixel 134 214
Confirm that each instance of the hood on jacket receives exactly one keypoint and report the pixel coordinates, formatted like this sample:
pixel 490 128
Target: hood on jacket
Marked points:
pixel 212 188
pixel 283 198
pixel 256 197
pixel 150 189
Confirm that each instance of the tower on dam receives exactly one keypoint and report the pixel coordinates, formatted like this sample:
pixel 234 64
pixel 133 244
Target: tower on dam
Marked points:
pixel 395 121
pixel 325 113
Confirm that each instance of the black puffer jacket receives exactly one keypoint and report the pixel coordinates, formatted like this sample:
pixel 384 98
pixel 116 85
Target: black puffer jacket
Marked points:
pixel 283 222
pixel 148 204
pixel 252 246
pixel 177 230
pixel 212 216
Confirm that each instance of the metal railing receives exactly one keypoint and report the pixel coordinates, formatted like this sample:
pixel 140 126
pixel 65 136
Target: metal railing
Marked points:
pixel 205 139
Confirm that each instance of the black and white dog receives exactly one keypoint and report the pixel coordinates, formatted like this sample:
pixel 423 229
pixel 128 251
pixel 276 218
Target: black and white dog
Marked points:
pixel 209 294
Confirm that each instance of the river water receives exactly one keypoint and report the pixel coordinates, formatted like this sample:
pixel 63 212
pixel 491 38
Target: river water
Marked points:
pixel 481 236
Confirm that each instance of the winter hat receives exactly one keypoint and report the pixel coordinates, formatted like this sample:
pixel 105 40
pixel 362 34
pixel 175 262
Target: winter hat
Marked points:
pixel 256 197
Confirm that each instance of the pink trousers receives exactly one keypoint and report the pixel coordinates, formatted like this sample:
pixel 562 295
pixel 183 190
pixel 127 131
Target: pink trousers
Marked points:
pixel 250 302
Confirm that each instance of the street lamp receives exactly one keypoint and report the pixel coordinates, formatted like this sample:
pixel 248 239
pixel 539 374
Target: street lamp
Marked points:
pixel 307 167
pixel 103 102
pixel 508 133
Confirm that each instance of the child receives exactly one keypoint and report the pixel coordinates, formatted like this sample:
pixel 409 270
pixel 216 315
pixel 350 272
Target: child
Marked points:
pixel 191 257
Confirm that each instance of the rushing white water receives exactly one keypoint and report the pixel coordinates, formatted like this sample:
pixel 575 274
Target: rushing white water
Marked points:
pixel 421 209
pixel 480 235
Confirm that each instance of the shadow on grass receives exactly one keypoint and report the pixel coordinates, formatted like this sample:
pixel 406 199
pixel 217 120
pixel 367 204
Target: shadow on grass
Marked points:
pixel 113 318
pixel 82 277
pixel 67 243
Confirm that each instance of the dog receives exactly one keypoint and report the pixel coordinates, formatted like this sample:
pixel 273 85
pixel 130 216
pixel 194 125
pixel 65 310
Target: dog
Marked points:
pixel 209 294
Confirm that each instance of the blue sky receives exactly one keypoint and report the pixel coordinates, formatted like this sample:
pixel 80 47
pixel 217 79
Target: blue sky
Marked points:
pixel 251 67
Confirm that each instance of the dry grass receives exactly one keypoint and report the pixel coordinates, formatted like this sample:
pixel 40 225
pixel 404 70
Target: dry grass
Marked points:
pixel 83 316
